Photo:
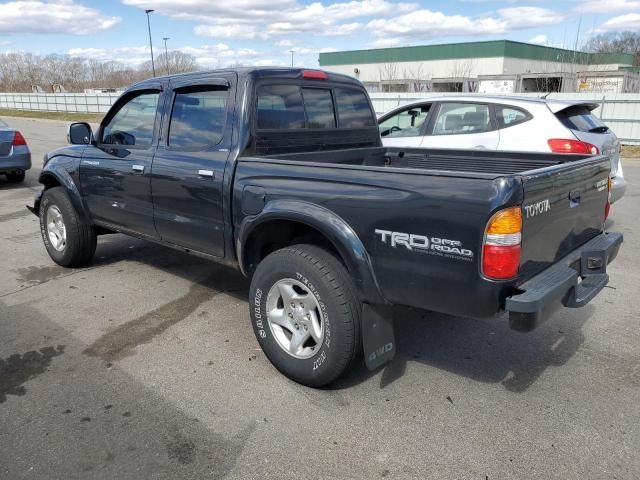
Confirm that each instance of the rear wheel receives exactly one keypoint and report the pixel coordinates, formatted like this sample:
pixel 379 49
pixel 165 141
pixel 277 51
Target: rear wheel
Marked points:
pixel 69 241
pixel 305 313
pixel 16 176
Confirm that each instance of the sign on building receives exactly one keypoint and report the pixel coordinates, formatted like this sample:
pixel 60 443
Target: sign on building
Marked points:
pixel 497 86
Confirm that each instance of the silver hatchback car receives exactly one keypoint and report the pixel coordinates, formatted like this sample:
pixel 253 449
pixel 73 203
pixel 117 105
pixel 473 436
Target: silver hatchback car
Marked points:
pixel 15 156
pixel 504 123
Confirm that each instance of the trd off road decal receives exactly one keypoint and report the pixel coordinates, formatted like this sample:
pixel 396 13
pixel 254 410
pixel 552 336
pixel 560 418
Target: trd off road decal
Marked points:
pixel 443 247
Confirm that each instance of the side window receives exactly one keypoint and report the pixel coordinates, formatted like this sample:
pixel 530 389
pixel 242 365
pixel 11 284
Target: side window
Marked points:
pixel 460 118
pixel 197 118
pixel 353 108
pixel 280 107
pixel 406 123
pixel 509 116
pixel 132 125
pixel 319 107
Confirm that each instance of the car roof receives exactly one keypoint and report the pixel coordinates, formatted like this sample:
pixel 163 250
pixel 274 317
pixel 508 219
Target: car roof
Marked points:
pixel 554 104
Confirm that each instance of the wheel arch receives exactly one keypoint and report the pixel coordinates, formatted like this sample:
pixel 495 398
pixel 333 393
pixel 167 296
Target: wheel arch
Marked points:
pixel 58 176
pixel 286 222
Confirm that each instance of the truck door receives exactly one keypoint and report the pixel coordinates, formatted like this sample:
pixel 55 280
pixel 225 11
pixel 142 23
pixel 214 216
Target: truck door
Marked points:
pixel 188 170
pixel 115 171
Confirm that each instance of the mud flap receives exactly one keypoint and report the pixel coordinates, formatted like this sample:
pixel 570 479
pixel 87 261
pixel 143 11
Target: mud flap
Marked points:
pixel 378 337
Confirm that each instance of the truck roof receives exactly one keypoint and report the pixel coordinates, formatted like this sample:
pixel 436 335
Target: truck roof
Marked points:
pixel 255 72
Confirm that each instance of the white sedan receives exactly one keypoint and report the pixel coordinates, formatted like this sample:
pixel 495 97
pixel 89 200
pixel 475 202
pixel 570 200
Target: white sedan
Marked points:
pixel 504 123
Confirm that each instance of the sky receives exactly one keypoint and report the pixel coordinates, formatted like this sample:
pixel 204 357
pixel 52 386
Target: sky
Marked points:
pixel 264 32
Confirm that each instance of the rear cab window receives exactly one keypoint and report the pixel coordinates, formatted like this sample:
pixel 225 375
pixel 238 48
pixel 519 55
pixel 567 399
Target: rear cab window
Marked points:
pixel 582 119
pixel 298 107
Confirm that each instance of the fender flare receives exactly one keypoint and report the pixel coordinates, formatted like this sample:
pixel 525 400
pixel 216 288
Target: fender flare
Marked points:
pixel 334 228
pixel 57 170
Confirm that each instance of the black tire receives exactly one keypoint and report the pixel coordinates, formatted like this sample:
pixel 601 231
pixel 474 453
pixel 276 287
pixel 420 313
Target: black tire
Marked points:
pixel 16 177
pixel 80 237
pixel 340 308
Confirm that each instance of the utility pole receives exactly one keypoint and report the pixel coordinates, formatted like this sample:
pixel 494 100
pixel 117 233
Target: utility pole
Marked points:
pixel 166 55
pixel 153 64
pixel 292 52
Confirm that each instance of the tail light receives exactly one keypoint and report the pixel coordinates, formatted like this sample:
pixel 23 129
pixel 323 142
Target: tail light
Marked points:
pixel 314 74
pixel 18 139
pixel 501 248
pixel 561 145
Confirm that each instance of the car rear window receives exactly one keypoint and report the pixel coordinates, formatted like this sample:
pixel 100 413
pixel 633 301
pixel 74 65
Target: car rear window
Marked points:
pixel 582 119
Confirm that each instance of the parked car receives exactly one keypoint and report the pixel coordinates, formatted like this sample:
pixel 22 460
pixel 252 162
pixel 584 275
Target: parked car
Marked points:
pixel 15 157
pixel 518 124
pixel 281 173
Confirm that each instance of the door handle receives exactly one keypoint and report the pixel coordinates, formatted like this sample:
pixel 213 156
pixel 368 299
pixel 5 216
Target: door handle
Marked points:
pixel 137 168
pixel 205 173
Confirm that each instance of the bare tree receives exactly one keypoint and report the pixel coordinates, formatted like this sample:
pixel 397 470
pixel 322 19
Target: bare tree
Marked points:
pixel 615 42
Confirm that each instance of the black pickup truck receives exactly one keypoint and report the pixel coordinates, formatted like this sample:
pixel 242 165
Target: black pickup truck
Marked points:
pixel 281 173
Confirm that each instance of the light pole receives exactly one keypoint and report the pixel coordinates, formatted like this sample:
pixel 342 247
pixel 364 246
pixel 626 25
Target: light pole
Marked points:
pixel 153 64
pixel 166 55
pixel 292 52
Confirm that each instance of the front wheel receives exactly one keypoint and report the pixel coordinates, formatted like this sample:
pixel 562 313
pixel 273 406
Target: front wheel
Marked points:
pixel 69 241
pixel 306 314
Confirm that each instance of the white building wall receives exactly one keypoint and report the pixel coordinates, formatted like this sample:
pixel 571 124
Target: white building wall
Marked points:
pixel 515 66
pixel 471 67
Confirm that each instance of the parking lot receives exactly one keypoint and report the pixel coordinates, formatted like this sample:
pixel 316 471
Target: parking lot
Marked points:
pixel 145 365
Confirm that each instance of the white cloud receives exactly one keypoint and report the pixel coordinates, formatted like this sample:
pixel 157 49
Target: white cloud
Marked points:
pixel 598 6
pixel 423 24
pixel 629 21
pixel 261 19
pixel 539 39
pixel 208 56
pixel 62 16
pixel 527 17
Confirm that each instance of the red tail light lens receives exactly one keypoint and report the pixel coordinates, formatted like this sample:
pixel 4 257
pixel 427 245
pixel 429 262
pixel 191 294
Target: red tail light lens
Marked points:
pixel 18 139
pixel 561 145
pixel 500 262
pixel 501 249
pixel 314 74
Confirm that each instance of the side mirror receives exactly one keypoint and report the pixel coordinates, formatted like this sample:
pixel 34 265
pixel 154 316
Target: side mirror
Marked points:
pixel 79 133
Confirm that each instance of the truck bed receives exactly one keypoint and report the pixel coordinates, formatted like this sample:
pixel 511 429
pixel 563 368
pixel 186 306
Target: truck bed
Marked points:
pixel 488 164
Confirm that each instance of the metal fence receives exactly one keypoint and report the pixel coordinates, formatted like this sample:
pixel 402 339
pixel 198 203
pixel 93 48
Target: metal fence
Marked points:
pixel 59 102
pixel 621 112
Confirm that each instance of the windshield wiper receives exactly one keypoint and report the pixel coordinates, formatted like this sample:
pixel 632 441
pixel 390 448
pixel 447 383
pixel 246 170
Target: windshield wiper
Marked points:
pixel 602 129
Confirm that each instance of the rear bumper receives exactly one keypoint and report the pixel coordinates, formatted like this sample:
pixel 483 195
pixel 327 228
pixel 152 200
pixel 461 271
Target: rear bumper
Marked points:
pixel 15 161
pixel 572 281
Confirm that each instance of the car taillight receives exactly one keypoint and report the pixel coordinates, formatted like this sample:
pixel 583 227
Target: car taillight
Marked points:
pixel 561 145
pixel 18 139
pixel 501 248
pixel 314 74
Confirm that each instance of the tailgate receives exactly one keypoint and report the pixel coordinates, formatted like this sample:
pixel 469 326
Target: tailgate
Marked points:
pixel 6 139
pixel 564 207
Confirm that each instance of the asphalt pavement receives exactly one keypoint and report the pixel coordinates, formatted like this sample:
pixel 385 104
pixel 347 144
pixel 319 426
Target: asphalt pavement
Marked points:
pixel 144 365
